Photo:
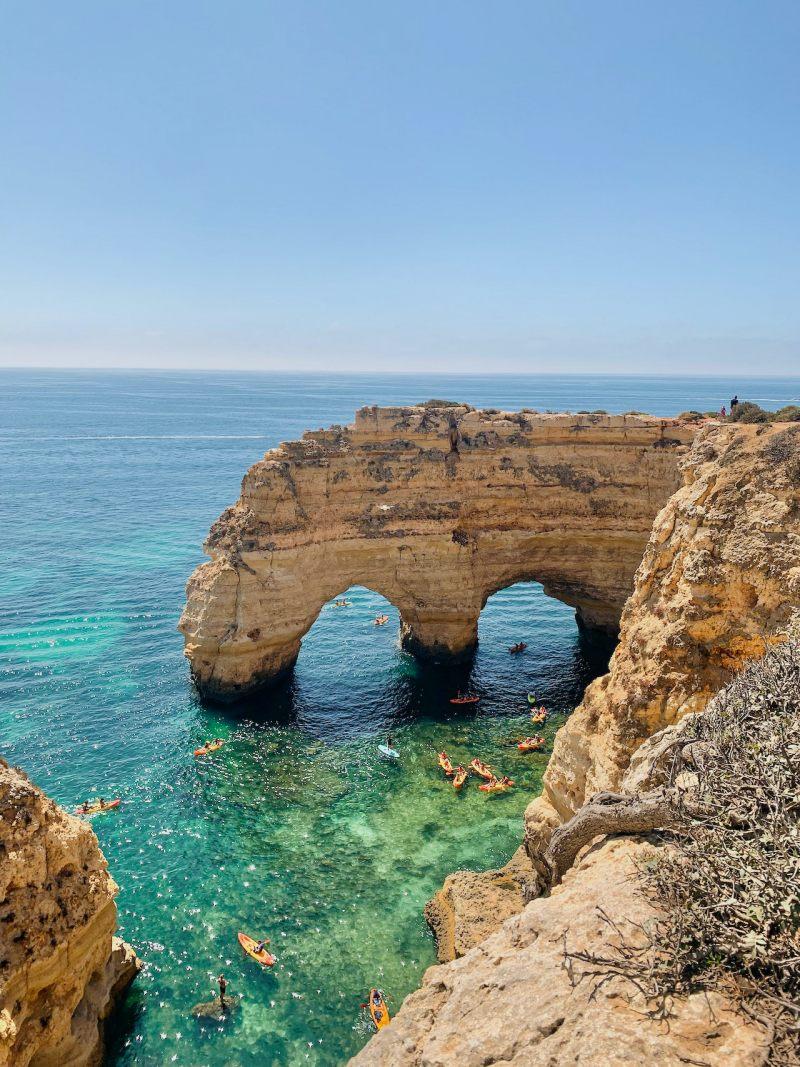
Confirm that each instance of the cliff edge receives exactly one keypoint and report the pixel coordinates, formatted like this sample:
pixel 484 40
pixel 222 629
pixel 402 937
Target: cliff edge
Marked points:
pixel 61 968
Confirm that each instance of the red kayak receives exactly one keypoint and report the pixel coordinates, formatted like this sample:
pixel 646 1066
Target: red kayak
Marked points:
pixel 464 699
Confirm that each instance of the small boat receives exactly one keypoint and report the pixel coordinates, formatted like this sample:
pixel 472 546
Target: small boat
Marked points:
pixel 97 808
pixel 209 746
pixel 465 698
pixel 460 777
pixel 381 620
pixel 390 753
pixel 531 744
pixel 496 785
pixel 249 945
pixel 446 765
pixel 520 646
pixel 481 768
pixel 531 698
pixel 378 1010
pixel 539 716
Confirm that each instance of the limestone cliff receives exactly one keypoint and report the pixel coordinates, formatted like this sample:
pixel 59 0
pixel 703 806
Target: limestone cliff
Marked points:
pixel 436 507
pixel 60 965
pixel 718 583
pixel 511 1000
pixel 719 579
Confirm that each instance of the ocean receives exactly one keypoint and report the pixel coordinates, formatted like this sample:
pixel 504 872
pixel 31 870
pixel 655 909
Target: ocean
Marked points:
pixel 297 829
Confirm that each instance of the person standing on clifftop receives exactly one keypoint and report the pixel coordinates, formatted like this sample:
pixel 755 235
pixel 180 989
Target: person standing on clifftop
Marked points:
pixel 734 403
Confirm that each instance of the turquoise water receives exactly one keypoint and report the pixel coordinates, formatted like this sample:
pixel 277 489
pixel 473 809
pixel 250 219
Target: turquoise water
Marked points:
pixel 297 829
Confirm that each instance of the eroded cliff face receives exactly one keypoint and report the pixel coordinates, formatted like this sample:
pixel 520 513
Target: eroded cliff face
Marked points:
pixel 718 583
pixel 512 999
pixel 436 507
pixel 61 967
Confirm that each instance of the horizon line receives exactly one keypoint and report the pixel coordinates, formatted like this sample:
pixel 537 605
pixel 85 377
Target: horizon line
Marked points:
pixel 393 373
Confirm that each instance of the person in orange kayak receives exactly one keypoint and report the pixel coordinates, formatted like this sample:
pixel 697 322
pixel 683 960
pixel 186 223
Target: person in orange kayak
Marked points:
pixel 260 946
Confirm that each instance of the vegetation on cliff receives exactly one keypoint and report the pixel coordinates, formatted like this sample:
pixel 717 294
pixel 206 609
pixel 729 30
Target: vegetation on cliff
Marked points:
pixel 728 886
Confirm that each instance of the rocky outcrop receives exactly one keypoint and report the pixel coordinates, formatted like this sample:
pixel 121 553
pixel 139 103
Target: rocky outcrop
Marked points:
pixel 436 507
pixel 473 904
pixel 61 967
pixel 718 583
pixel 517 999
pixel 719 580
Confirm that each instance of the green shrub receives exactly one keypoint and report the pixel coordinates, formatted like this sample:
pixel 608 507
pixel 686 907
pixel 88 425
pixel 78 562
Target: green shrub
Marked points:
pixel 690 416
pixel 746 411
pixel 791 413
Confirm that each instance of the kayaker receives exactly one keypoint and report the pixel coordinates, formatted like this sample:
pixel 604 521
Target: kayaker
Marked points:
pixel 102 803
pixel 261 946
pixel 85 807
pixel 223 985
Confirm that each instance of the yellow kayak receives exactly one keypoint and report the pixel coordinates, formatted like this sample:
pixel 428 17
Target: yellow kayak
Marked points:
pixel 209 746
pixel 249 945
pixel 378 1010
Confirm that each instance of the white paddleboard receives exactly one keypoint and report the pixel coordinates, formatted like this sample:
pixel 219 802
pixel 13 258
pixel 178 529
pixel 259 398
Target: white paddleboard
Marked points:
pixel 390 752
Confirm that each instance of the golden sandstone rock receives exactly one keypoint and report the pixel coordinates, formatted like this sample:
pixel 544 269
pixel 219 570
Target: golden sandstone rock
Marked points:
pixel 436 507
pixel 719 583
pixel 61 968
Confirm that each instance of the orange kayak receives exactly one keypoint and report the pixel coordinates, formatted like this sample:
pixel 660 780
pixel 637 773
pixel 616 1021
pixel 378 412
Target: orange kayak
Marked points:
pixel 96 809
pixel 378 1010
pixel 460 778
pixel 464 700
pixel 483 769
pixel 496 785
pixel 249 945
pixel 531 744
pixel 445 764
pixel 204 751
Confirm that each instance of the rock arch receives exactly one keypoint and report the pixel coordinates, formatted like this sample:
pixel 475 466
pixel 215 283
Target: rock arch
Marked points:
pixel 435 507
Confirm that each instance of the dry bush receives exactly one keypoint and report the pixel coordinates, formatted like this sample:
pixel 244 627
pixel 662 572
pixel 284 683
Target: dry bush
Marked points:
pixel 728 885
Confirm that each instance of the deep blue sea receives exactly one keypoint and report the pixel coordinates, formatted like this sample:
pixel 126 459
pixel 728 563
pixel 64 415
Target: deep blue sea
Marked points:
pixel 296 830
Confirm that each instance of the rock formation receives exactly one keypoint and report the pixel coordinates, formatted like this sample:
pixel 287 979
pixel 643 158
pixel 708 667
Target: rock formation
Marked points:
pixel 718 583
pixel 642 950
pixel 436 507
pixel 61 967
pixel 719 580
pixel 511 999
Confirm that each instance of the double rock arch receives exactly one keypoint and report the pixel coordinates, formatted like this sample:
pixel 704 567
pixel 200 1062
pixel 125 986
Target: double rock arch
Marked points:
pixel 436 508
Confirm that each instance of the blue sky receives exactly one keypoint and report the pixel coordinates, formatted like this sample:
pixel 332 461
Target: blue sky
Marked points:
pixel 605 186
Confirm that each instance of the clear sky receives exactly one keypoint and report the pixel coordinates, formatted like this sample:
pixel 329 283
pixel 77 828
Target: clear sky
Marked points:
pixel 609 185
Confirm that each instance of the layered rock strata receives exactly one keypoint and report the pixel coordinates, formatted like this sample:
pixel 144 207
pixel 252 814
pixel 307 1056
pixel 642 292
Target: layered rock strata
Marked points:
pixel 61 968
pixel 718 583
pixel 436 507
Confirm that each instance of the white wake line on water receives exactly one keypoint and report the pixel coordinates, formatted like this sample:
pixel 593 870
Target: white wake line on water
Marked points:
pixel 150 437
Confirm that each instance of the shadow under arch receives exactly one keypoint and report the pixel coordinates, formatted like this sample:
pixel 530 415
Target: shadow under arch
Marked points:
pixel 562 656
pixel 354 679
